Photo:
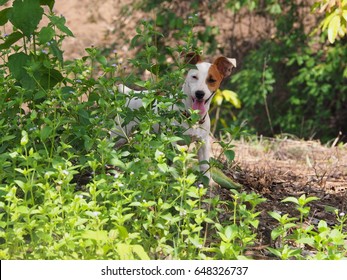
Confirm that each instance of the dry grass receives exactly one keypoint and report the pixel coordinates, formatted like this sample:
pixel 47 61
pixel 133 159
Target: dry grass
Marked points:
pixel 278 168
pixel 294 163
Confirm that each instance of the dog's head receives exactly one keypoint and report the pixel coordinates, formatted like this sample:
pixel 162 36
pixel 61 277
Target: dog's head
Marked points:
pixel 201 83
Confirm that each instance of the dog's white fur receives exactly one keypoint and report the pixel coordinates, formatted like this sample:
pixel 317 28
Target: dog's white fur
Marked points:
pixel 199 86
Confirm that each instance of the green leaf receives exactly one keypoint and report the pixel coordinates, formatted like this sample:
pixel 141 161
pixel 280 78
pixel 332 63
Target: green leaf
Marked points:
pixel 59 22
pixel 123 233
pixel 126 251
pixel 140 252
pixel 49 3
pixel 25 138
pixel 46 34
pixel 99 235
pixel 11 39
pixel 230 232
pixel 163 167
pixel 56 51
pixel 322 226
pixel 291 199
pixel 333 28
pixel 26 15
pixel 20 184
pixel 7 138
pixel 16 63
pixel 45 132
pixel 275 215
pixel 276 252
pixel 303 200
pixel 4 16
pixel 49 77
pixel 230 154
pixel 232 98
pixel 117 163
pixel 276 232
pixel 22 209
pixel 344 14
pixel 306 240
pixel 102 60
pixel 224 181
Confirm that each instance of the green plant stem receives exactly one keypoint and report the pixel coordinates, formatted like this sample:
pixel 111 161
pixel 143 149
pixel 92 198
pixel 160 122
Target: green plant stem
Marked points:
pixel 265 99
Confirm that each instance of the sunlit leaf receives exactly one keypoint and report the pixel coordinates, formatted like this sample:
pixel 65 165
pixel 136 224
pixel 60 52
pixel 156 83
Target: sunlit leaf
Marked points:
pixel 333 28
pixel 231 97
pixel 99 235
pixel 140 252
pixel 25 138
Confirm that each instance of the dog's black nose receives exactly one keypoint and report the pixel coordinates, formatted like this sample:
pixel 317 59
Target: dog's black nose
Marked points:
pixel 199 94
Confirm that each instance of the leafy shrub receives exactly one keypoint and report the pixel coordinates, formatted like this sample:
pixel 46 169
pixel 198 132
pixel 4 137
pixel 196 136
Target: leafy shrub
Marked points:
pixel 311 241
pixel 293 83
pixel 67 193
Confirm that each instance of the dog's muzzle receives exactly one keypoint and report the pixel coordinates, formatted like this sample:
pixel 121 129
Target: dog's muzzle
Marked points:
pixel 199 94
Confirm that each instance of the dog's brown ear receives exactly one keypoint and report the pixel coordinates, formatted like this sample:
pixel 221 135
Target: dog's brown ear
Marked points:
pixel 191 58
pixel 225 65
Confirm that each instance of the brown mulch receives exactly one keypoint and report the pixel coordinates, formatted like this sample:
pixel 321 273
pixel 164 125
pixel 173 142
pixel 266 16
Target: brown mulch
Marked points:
pixel 279 168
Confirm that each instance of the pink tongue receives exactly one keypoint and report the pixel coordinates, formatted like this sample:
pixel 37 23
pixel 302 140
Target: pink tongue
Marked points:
pixel 199 105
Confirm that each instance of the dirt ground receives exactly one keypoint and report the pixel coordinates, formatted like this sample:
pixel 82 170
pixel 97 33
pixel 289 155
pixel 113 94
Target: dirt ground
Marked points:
pixel 279 168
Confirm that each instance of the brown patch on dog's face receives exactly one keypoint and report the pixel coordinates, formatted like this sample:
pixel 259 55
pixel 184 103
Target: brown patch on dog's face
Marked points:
pixel 214 78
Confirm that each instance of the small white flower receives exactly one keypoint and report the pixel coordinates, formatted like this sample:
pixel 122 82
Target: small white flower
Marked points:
pixel 200 186
pixel 342 214
pixel 95 213
pixel 183 213
pixel 65 172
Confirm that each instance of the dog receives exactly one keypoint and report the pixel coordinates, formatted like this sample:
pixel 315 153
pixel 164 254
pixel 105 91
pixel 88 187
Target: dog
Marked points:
pixel 199 87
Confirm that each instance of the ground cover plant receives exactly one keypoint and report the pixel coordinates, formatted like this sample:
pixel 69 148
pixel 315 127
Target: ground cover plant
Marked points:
pixel 68 193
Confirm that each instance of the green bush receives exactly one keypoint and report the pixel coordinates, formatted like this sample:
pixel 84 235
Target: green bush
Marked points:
pixel 67 193
pixel 293 82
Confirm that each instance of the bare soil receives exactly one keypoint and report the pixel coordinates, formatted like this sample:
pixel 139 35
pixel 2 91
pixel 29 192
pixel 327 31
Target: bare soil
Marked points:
pixel 279 168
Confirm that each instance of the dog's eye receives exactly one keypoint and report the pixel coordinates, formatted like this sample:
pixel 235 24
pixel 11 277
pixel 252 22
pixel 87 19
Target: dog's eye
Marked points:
pixel 211 80
pixel 195 77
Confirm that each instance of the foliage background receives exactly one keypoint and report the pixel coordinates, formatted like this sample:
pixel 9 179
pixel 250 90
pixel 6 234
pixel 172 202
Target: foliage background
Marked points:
pixel 290 78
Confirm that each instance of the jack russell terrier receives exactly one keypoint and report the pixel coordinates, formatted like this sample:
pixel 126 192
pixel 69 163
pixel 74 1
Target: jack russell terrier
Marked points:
pixel 199 87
